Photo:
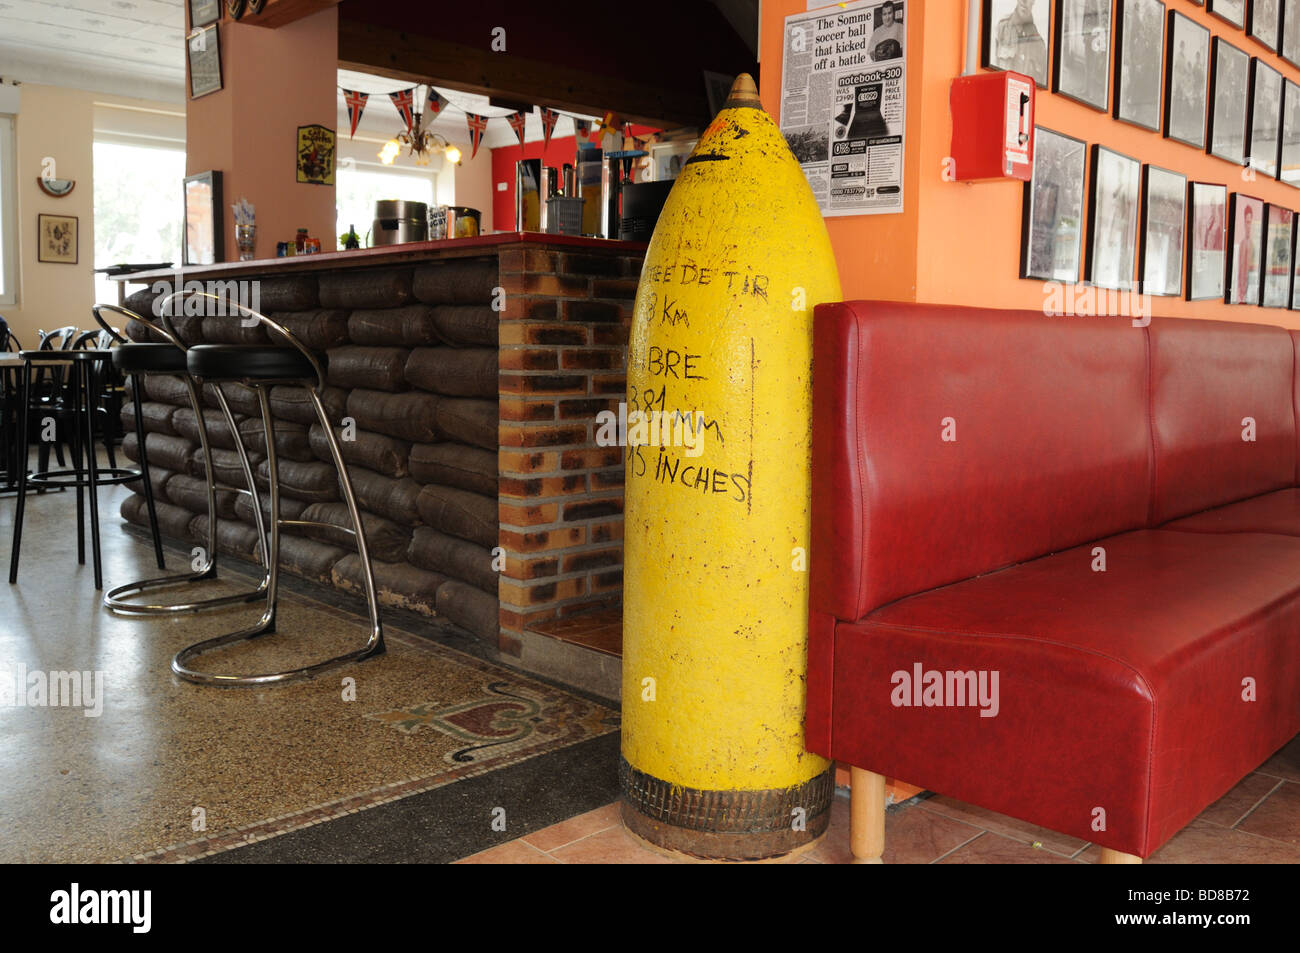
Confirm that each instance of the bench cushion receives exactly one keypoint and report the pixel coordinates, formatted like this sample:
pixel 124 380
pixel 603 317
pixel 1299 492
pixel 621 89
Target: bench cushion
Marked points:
pixel 1207 377
pixel 1052 444
pixel 1276 512
pixel 1120 690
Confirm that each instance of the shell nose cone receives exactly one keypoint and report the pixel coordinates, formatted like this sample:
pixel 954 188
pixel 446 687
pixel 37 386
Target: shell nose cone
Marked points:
pixel 743 93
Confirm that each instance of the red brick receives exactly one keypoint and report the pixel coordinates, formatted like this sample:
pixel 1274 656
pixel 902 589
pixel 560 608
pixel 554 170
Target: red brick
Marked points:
pixel 512 408
pixel 549 335
pixel 597 559
pixel 517 435
pixel 513 461
pixel 516 383
pixel 542 540
pixel 592 312
pixel 530 359
pixel 605 532
pixel 532 514
pixel 541 487
pixel 539 593
pixel 608 479
pixel 604 265
pixel 592 509
pixel 609 384
pixel 606 581
pixel 540 260
pixel 593 360
pixel 518 621
pixel 586 408
pixel 521 307
pixel 591 458
pixel 538 568
pixel 614 288
pixel 611 335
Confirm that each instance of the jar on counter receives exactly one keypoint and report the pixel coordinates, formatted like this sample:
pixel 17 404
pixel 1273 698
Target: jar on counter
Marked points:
pixel 300 242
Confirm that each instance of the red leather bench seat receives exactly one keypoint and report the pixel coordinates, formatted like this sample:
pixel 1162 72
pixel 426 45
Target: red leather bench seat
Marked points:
pixel 1119 691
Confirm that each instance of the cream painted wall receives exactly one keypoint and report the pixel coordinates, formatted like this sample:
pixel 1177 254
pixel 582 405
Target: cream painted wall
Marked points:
pixel 57 123
pixel 473 185
pixel 60 123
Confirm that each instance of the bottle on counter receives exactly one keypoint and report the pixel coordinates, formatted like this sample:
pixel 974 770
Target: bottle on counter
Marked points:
pixel 300 242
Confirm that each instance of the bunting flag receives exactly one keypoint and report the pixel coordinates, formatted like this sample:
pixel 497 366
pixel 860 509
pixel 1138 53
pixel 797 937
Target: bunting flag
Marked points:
pixel 356 106
pixel 516 121
pixel 549 118
pixel 582 127
pixel 403 100
pixel 436 104
pixel 477 126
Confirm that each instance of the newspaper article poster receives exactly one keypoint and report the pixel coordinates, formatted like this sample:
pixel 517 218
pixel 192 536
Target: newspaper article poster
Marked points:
pixel 843 103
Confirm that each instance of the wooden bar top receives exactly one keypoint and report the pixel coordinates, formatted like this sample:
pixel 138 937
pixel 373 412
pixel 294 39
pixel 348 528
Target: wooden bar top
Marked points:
pixel 383 255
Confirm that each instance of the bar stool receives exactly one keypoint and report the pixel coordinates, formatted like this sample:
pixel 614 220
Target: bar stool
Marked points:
pixel 81 398
pixel 260 367
pixel 135 360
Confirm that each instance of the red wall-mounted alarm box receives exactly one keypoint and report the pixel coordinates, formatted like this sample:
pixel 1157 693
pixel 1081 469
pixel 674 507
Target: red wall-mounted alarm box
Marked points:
pixel 992 126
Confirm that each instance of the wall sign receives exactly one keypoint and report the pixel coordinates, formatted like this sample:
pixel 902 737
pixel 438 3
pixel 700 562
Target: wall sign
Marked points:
pixel 316 155
pixel 843 103
pixel 205 61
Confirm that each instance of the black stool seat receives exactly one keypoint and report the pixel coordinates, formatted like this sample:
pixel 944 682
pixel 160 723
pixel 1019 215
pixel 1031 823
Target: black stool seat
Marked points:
pixel 64 357
pixel 248 362
pixel 149 359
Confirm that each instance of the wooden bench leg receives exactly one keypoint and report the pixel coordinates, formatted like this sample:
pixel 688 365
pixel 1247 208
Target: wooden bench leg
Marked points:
pixel 866 816
pixel 1109 856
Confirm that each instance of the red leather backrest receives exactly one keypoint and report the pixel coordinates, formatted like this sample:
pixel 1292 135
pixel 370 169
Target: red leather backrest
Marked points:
pixel 1206 378
pixel 1052 444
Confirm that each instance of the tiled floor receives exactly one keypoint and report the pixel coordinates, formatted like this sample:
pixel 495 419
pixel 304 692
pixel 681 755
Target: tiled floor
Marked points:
pixel 1257 822
pixel 600 631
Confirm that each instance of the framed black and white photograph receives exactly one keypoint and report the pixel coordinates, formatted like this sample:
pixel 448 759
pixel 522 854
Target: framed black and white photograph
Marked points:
pixel 1015 37
pixel 1187 71
pixel 1279 239
pixel 203 12
pixel 1289 33
pixel 1263 22
pixel 1288 164
pixel 204 48
pixel 1207 227
pixel 1083 51
pixel 1139 48
pixel 1229 86
pixel 1295 267
pixel 1234 11
pixel 1265 117
pixel 1164 217
pixel 56 239
pixel 1246 240
pixel 1051 231
pixel 204 215
pixel 1113 219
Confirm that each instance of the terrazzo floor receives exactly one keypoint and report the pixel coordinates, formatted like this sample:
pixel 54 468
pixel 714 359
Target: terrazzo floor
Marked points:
pixel 172 771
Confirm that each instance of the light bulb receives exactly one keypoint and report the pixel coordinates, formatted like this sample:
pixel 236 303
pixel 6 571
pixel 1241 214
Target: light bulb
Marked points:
pixel 453 155
pixel 389 152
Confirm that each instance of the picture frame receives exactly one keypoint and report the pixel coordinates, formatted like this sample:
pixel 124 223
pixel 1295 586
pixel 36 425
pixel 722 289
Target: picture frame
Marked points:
pixel 1081 67
pixel 1229 96
pixel 203 12
pixel 203 48
pixel 57 239
pixel 1245 249
pixel 1051 225
pixel 204 241
pixel 1113 202
pixel 1187 80
pixel 1265 118
pixel 1288 161
pixel 667 158
pixel 1008 44
pixel 1230 11
pixel 1295 267
pixel 1164 222
pixel 1288 46
pixel 1262 22
pixel 1139 72
pixel 1279 243
pixel 1207 231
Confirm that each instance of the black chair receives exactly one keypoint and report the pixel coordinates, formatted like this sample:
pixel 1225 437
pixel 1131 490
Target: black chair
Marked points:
pixel 135 360
pixel 71 406
pixel 260 367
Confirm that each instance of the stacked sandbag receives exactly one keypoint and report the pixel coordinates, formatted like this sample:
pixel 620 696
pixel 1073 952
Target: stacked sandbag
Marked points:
pixel 410 357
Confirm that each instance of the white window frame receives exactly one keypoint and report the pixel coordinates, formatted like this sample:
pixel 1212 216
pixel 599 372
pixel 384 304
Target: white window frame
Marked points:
pixel 9 208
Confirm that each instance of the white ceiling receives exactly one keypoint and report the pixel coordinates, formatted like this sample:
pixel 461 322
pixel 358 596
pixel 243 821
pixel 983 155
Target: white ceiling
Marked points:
pixel 379 119
pixel 128 47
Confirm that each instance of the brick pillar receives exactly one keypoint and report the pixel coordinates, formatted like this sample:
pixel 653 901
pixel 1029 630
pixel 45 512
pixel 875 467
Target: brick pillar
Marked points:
pixel 563 348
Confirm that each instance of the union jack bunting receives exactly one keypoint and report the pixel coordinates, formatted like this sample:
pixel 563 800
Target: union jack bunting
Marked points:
pixel 516 121
pixel 549 118
pixel 477 126
pixel 437 103
pixel 403 100
pixel 356 105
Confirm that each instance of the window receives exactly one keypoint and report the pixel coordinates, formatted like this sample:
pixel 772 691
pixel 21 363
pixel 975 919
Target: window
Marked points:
pixel 137 207
pixel 357 188
pixel 8 213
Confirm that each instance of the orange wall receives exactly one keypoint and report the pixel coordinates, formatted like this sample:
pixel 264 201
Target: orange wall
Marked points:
pixel 273 82
pixel 960 242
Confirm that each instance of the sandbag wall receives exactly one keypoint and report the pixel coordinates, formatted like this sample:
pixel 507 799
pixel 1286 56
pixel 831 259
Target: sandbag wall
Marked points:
pixel 412 393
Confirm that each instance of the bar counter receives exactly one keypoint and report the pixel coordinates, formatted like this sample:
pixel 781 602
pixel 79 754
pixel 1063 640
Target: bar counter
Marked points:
pixel 464 377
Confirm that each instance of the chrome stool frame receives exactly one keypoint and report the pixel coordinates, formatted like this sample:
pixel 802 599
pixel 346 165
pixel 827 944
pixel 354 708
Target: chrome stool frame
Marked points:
pixel 374 645
pixel 115 599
